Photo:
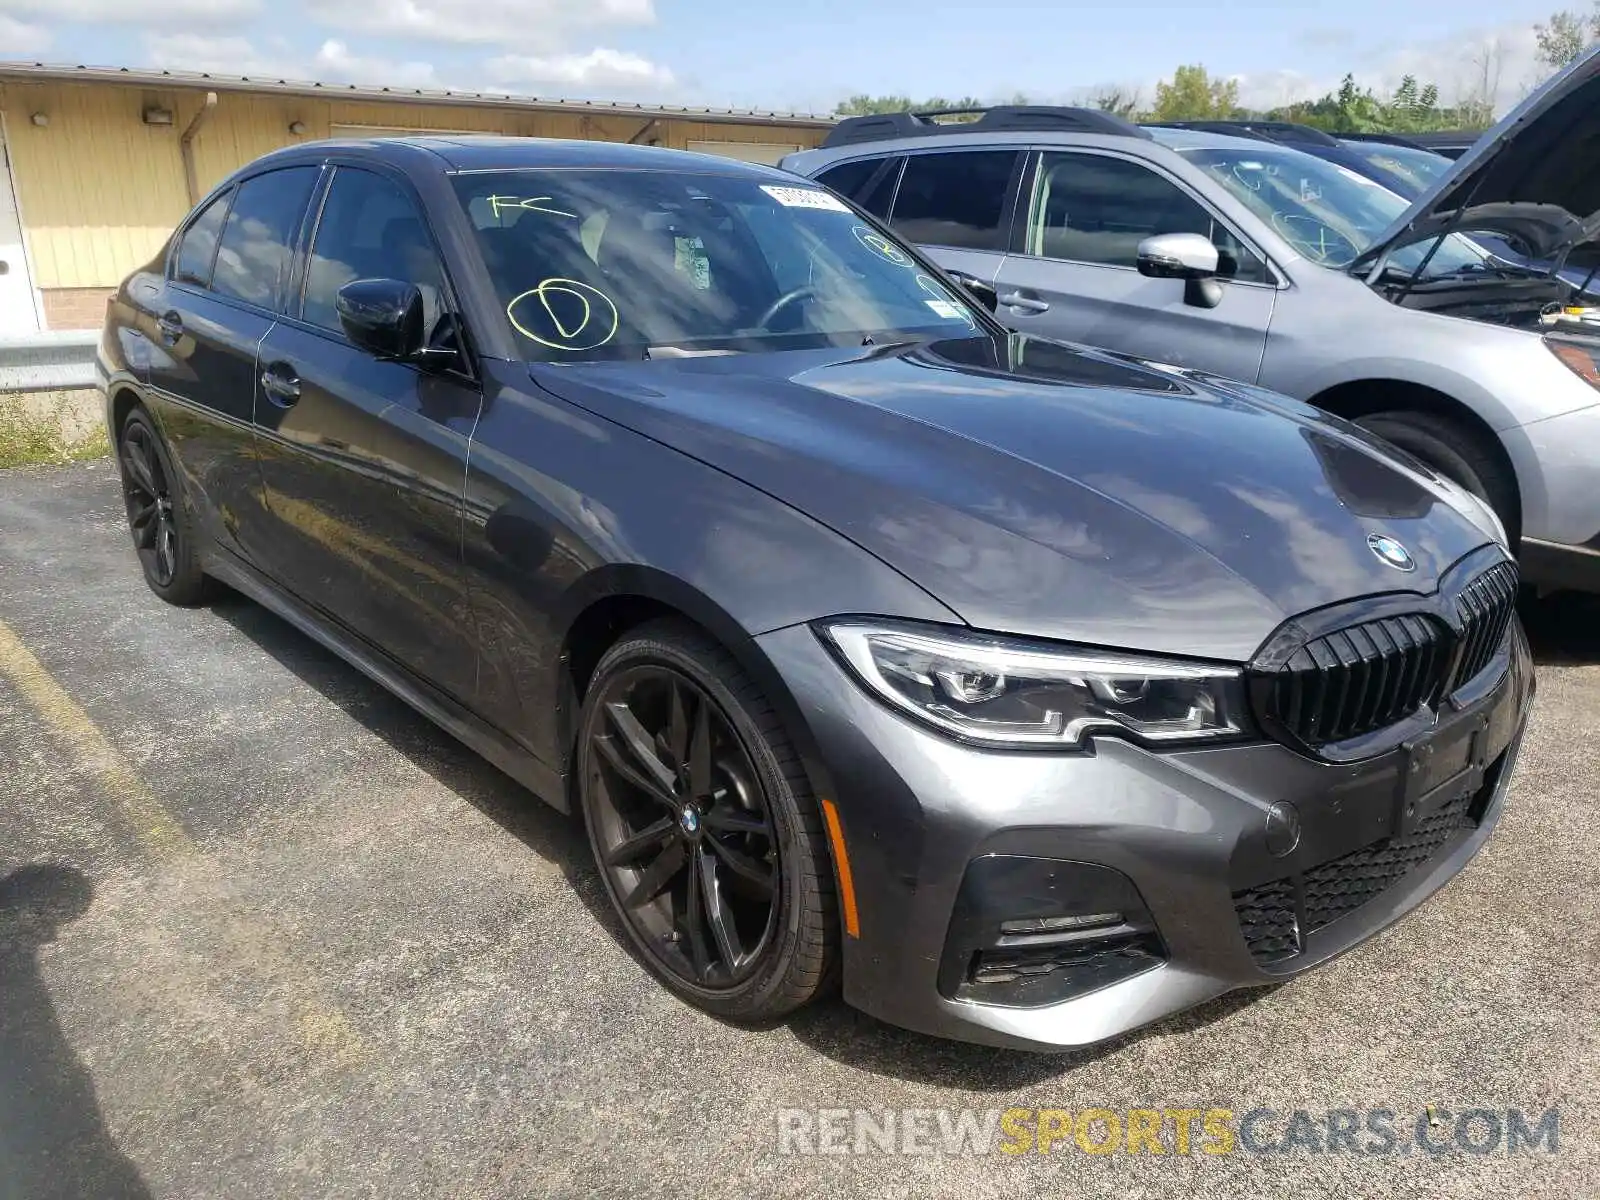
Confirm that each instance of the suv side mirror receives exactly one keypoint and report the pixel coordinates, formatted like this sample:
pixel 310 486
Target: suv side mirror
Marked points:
pixel 382 317
pixel 1186 256
pixel 984 293
pixel 1177 256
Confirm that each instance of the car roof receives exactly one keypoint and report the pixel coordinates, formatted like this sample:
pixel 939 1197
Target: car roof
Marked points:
pixel 492 152
pixel 1205 139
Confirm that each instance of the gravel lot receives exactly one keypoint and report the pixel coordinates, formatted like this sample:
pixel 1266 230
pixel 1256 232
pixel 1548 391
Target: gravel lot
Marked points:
pixel 264 932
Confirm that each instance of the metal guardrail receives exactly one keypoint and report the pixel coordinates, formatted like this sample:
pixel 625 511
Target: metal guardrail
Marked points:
pixel 48 362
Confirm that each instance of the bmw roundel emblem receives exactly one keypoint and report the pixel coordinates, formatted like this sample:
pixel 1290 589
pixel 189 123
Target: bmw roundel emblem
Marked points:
pixel 1391 552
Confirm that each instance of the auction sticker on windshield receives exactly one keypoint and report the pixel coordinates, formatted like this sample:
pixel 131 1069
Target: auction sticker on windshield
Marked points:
pixel 792 197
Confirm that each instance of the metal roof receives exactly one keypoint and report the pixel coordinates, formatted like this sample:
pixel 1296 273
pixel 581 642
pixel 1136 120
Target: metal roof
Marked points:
pixel 38 72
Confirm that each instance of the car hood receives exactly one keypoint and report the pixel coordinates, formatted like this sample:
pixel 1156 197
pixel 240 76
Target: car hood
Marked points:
pixel 1533 175
pixel 1049 490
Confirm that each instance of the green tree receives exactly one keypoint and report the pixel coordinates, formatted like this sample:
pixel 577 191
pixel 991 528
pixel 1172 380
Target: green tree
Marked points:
pixel 1192 95
pixel 863 105
pixel 1563 37
pixel 1118 101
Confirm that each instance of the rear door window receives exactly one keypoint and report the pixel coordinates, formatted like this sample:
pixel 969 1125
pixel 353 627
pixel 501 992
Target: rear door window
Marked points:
pixel 198 249
pixel 258 239
pixel 870 182
pixel 955 198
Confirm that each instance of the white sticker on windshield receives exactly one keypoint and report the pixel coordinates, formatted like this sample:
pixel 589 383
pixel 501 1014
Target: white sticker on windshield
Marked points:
pixel 945 309
pixel 793 197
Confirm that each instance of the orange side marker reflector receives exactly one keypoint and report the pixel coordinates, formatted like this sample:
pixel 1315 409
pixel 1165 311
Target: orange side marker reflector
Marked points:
pixel 841 860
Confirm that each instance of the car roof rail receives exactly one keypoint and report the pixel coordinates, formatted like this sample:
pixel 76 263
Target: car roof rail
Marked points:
pixel 1287 132
pixel 1004 118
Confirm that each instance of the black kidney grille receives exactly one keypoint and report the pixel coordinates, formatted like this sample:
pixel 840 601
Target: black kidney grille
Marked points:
pixel 1356 680
pixel 1484 609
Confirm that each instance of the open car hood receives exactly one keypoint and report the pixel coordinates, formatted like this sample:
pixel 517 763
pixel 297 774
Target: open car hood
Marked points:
pixel 1532 179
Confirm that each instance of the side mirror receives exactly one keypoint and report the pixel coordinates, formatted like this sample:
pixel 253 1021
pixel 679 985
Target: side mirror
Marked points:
pixel 984 293
pixel 1177 256
pixel 1186 256
pixel 382 317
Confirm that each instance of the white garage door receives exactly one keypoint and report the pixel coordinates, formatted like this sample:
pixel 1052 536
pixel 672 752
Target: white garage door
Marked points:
pixel 17 311
pixel 767 153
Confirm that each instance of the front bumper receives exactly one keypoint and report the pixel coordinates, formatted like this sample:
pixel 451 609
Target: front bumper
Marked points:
pixel 1186 829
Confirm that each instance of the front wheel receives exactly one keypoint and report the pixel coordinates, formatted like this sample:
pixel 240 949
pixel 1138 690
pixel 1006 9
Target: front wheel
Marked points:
pixel 1456 453
pixel 162 527
pixel 704 828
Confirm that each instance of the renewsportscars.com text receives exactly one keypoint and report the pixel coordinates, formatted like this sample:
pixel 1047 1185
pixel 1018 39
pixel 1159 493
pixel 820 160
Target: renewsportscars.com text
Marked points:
pixel 1436 1130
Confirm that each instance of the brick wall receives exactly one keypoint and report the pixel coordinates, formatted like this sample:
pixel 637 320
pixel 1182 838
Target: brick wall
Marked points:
pixel 75 308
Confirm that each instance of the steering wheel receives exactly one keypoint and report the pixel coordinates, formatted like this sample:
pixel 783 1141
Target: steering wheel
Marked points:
pixel 794 296
pixel 1319 242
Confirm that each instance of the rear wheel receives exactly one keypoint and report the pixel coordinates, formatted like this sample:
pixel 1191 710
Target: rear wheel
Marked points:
pixel 1454 451
pixel 162 527
pixel 703 827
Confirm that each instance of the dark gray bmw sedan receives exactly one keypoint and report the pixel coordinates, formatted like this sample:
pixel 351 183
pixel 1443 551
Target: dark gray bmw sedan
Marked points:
pixel 1026 692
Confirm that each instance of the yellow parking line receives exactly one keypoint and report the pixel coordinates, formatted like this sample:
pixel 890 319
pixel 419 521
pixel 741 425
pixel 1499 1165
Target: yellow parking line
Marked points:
pixel 163 836
pixel 324 1030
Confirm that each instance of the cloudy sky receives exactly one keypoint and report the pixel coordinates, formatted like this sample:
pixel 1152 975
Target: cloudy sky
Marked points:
pixel 795 56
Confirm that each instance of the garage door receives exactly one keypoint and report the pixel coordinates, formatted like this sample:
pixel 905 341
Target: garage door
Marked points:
pixel 752 152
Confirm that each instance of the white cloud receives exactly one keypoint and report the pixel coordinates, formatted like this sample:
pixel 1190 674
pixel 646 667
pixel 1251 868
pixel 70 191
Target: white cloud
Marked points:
pixel 19 37
pixel 1503 61
pixel 332 63
pixel 609 70
pixel 542 24
pixel 208 13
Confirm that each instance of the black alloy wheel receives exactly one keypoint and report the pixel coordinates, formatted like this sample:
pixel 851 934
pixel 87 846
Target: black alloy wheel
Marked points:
pixel 711 851
pixel 156 516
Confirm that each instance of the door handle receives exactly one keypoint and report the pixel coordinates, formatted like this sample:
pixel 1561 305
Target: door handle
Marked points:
pixel 171 326
pixel 1026 303
pixel 281 384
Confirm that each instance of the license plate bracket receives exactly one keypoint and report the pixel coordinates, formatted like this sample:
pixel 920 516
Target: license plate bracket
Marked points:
pixel 1437 768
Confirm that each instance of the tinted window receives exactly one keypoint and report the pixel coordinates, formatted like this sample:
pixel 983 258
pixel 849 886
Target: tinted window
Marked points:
pixel 199 245
pixel 1093 209
pixel 258 239
pixel 869 182
pixel 370 229
pixel 654 264
pixel 849 178
pixel 954 199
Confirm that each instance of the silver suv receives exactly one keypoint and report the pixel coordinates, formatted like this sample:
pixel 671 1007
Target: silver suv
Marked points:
pixel 1259 262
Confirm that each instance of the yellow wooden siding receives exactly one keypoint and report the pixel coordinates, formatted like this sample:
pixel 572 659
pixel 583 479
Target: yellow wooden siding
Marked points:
pixel 99 190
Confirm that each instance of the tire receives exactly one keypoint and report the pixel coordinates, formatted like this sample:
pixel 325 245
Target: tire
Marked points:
pixel 160 522
pixel 1455 452
pixel 747 775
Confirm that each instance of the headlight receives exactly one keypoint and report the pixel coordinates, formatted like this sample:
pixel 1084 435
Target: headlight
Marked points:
pixel 1579 357
pixel 1006 692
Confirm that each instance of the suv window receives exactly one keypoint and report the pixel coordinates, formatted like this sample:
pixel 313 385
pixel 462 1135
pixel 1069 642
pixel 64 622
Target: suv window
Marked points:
pixel 258 238
pixel 955 198
pixel 198 248
pixel 370 229
pixel 868 181
pixel 1092 208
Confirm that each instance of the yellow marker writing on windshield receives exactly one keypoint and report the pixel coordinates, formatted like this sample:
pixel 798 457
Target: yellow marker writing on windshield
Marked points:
pixel 588 329
pixel 498 204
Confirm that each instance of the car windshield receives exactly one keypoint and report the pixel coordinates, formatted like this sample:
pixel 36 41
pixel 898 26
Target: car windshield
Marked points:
pixel 1328 213
pixel 1420 168
pixel 607 264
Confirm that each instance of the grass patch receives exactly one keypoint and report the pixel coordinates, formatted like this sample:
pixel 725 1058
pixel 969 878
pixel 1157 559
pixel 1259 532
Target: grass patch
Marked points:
pixel 28 436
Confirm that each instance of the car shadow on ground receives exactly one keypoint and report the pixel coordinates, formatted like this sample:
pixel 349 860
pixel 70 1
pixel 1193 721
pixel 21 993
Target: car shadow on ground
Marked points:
pixel 1563 628
pixel 831 1027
